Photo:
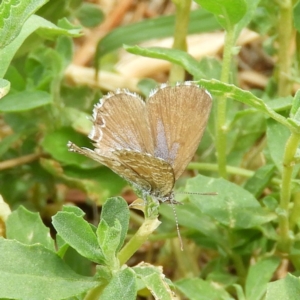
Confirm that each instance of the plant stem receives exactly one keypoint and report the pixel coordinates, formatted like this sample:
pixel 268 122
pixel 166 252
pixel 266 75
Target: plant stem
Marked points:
pixel 285 29
pixel 138 239
pixel 295 213
pixel 221 129
pixel 150 223
pixel 239 266
pixel 229 169
pixel 177 73
pixel 94 293
pixel 285 194
pixel 18 161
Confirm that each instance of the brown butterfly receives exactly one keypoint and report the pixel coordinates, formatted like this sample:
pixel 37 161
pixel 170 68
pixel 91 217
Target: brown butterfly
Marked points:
pixel 149 143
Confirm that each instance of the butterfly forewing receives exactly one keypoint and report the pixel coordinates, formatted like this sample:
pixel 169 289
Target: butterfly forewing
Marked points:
pixel 120 122
pixel 178 116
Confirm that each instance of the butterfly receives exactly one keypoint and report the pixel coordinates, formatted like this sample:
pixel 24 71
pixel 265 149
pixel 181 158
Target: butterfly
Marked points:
pixel 149 143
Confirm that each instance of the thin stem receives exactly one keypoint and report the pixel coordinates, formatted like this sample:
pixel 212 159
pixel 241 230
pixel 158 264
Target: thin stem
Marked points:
pixel 177 73
pixel 150 223
pixel 285 194
pixel 229 170
pixel 138 239
pixel 285 30
pixel 214 167
pixel 221 129
pixel 239 266
pixel 94 293
pixel 11 163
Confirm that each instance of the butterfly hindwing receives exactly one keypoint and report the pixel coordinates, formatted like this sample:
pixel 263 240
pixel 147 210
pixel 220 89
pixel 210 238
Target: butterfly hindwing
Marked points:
pixel 155 171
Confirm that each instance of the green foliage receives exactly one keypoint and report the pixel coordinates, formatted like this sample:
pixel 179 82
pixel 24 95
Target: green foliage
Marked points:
pixel 26 262
pixel 19 227
pixel 15 102
pixel 198 289
pixel 233 206
pixel 100 245
pixel 89 15
pixel 173 55
pixel 13 14
pixel 258 277
pixel 158 28
pixel 235 238
pixel 78 234
pixel 287 288
pixel 228 13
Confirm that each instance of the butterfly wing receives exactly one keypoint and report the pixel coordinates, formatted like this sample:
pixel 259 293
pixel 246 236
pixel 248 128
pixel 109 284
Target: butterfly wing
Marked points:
pixel 120 122
pixel 178 117
pixel 123 142
pixel 156 172
pixel 147 173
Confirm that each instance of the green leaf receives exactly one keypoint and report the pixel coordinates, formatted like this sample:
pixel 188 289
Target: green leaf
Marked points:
pixel 4 87
pixel 296 13
pixel 34 272
pixel 146 85
pixel 295 110
pixel 219 88
pixel 280 104
pixel 8 141
pixel 198 289
pixel 16 79
pixel 41 26
pixel 24 101
pixel 277 136
pixel 13 14
pixel 80 120
pixel 28 228
pixel 55 143
pixel 173 55
pixel 79 264
pixel 190 216
pixel 261 178
pixel 122 286
pixel 154 280
pixel 227 12
pixel 73 209
pixel 232 206
pixel 287 288
pixel 116 209
pixel 210 67
pixel 89 15
pixel 258 277
pixel 239 292
pixel 43 66
pixel 64 47
pixel 153 28
pixel 87 179
pixel 248 17
pixel 109 240
pixel 78 234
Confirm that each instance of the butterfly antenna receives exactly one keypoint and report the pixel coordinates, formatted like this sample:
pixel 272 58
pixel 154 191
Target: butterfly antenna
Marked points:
pixel 191 193
pixel 177 225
